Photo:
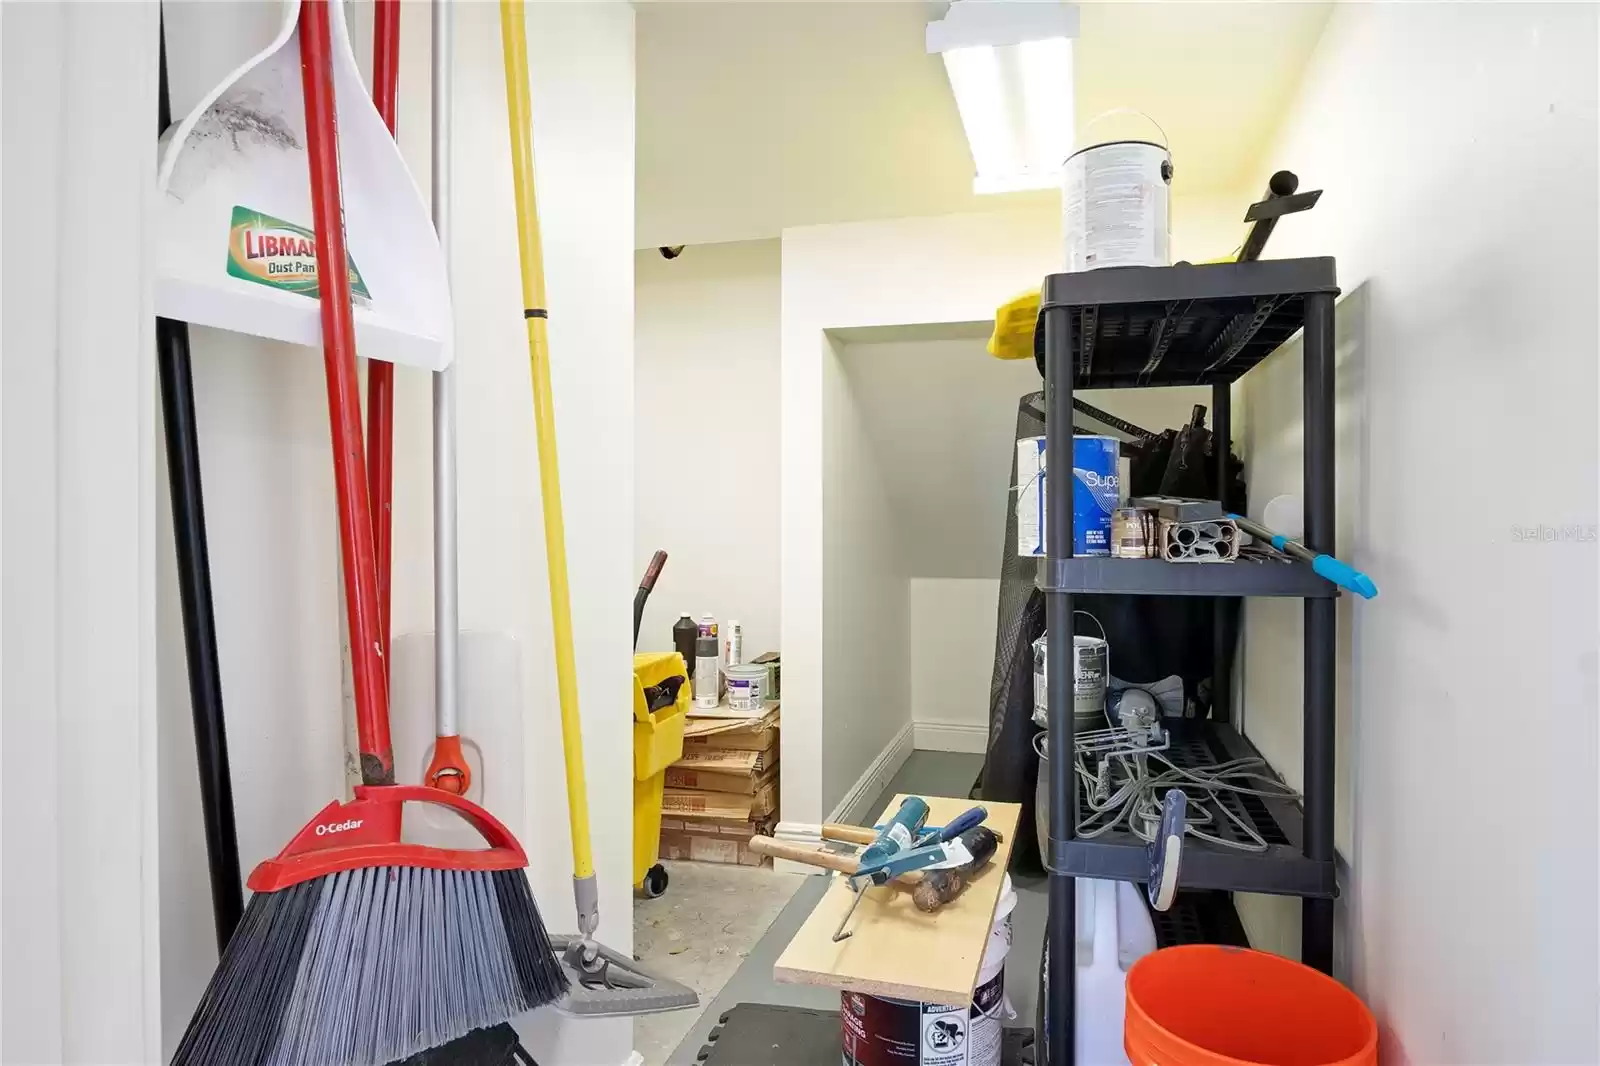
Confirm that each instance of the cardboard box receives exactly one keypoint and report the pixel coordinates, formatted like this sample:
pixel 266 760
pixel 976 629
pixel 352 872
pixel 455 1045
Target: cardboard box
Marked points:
pixel 727 760
pixel 696 847
pixel 716 840
pixel 742 783
pixel 690 803
pixel 759 733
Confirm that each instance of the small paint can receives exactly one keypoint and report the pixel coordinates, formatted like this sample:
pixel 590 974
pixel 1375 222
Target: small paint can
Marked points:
pixel 746 687
pixel 774 687
pixel 1094 494
pixel 1116 205
pixel 1091 666
pixel 1135 533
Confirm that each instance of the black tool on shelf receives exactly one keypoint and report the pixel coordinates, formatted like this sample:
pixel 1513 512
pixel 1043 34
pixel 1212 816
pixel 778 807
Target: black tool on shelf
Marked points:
pixel 1189 325
pixel 1281 199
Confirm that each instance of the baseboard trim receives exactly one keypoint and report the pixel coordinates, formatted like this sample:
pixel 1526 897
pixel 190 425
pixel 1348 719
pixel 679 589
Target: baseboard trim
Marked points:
pixel 876 778
pixel 967 737
pixel 853 807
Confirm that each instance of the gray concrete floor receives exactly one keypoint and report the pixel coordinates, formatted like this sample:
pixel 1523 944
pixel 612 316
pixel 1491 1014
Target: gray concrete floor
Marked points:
pixel 927 773
pixel 699 933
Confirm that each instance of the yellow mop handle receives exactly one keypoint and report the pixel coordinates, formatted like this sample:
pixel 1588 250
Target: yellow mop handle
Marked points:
pixel 513 34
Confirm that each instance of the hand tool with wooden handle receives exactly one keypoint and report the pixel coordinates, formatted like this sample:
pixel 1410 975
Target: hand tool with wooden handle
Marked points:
pixel 821 857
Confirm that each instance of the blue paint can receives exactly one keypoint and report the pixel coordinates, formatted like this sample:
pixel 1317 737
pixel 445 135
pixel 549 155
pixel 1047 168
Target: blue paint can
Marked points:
pixel 1094 494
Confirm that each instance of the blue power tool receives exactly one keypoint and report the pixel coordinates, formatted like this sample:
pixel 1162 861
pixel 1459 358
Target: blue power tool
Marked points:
pixel 902 847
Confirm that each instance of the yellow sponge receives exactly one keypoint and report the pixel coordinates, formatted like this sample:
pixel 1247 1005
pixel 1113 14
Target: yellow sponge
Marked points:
pixel 1014 324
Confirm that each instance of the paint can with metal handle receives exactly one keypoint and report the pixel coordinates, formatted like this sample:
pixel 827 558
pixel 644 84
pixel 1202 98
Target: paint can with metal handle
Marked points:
pixel 1116 202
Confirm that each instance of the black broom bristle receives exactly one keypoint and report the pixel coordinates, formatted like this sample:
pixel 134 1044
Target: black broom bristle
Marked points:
pixel 368 966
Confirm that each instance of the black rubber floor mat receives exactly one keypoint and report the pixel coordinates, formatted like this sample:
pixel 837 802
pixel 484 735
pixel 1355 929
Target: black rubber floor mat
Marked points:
pixel 494 1046
pixel 765 1034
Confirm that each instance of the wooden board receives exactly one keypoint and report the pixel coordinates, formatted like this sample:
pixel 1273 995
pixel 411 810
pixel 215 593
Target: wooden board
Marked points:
pixel 897 951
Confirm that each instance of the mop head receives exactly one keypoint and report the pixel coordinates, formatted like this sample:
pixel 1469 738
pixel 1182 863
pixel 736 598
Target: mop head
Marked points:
pixel 605 983
pixel 395 949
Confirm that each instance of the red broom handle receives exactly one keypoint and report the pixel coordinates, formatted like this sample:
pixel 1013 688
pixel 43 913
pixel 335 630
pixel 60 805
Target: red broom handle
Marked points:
pixel 380 375
pixel 344 402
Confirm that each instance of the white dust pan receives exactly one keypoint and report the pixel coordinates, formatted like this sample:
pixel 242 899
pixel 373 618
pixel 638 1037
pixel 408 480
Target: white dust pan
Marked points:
pixel 235 248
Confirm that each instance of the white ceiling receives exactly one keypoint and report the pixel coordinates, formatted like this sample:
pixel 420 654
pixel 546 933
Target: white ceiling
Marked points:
pixel 756 116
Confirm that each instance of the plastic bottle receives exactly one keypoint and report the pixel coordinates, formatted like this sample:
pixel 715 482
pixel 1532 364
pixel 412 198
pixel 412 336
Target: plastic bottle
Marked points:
pixel 733 645
pixel 684 632
pixel 707 680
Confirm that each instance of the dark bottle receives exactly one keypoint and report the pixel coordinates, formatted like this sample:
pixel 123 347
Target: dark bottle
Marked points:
pixel 684 631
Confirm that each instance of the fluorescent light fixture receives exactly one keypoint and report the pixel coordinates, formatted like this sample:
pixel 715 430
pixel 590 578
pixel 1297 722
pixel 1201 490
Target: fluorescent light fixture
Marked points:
pixel 1010 68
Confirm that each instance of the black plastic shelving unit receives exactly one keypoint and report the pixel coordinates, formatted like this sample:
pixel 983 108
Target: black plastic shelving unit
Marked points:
pixel 1153 327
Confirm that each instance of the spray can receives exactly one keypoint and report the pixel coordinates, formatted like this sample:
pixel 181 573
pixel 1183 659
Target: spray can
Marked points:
pixel 733 645
pixel 706 679
pixel 684 632
pixel 708 626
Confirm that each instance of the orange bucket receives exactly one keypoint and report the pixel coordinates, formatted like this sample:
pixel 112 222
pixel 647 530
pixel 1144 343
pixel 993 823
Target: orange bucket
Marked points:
pixel 1204 1005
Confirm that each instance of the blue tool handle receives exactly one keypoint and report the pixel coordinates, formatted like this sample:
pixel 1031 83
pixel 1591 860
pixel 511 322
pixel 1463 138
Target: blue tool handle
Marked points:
pixel 968 819
pixel 1345 576
pixel 1325 566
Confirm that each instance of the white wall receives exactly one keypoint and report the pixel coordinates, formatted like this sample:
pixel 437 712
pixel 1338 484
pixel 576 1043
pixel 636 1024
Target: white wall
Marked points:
pixel 79 976
pixel 1467 382
pixel 706 444
pixel 951 660
pixel 954 269
pixel 270 501
pixel 864 701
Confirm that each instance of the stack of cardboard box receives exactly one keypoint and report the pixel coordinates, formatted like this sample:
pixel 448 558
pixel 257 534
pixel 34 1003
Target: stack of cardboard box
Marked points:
pixel 723 791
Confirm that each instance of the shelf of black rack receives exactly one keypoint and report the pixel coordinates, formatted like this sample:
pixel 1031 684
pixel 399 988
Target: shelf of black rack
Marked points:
pixel 1281 869
pixel 1253 575
pixel 1199 916
pixel 1143 327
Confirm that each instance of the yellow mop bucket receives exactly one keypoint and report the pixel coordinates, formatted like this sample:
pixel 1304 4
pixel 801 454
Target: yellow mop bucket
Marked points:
pixel 657 744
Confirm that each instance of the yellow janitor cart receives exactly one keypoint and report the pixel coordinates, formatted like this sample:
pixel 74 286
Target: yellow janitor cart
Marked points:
pixel 657 744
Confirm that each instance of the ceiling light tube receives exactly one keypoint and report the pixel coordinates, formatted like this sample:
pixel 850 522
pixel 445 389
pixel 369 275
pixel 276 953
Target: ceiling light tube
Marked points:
pixel 1010 69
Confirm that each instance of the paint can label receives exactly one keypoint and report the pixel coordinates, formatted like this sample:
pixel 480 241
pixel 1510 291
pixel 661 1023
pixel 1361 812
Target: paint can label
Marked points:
pixel 887 1032
pixel 1114 206
pixel 1095 490
pixel 744 693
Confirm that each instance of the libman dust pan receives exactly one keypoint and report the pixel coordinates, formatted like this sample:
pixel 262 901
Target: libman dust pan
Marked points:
pixel 234 242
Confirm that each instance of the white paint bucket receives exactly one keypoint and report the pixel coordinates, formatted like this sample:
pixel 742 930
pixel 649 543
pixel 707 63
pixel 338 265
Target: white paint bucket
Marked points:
pixel 877 1031
pixel 746 686
pixel 1116 205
